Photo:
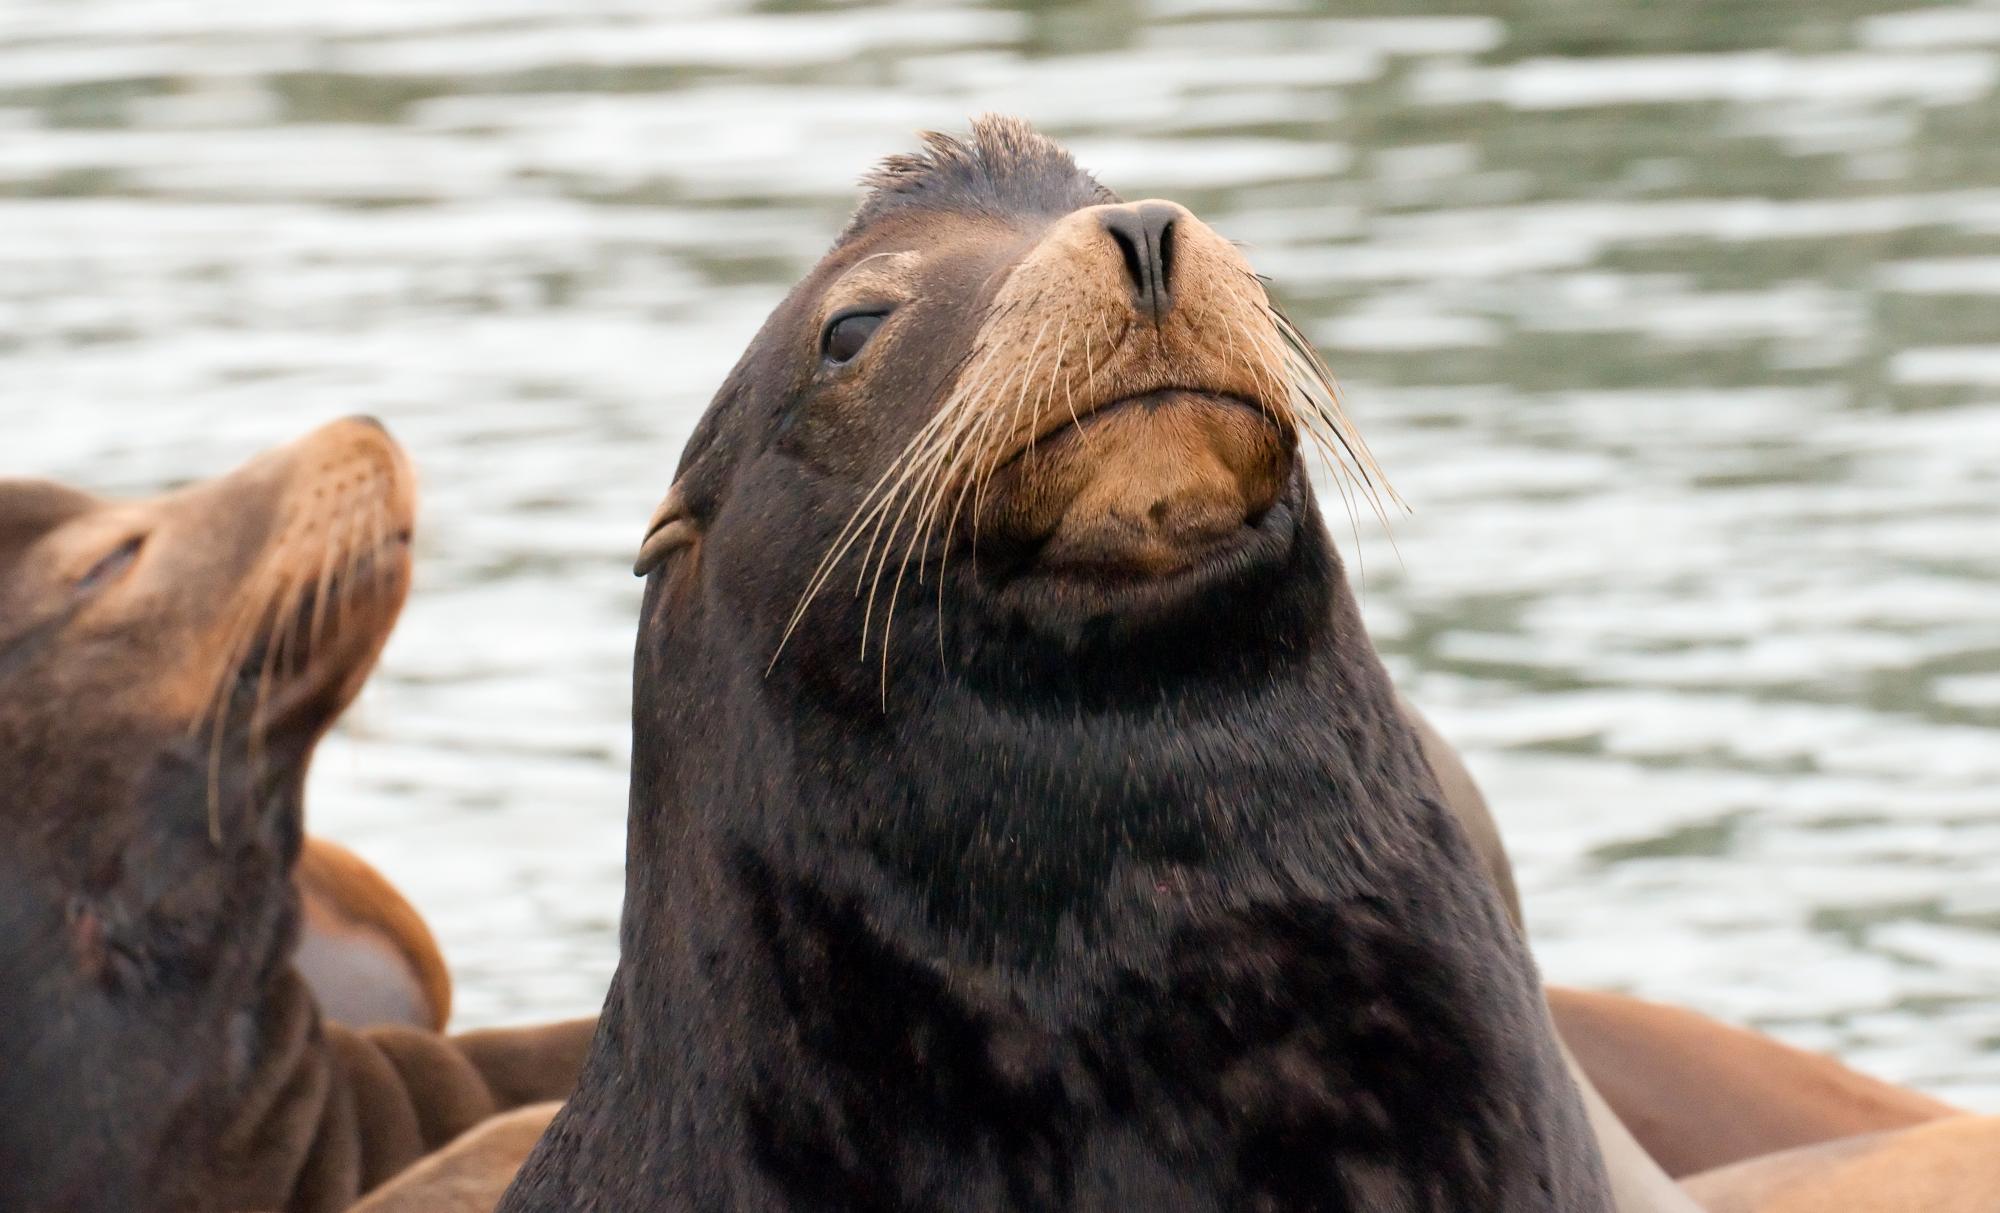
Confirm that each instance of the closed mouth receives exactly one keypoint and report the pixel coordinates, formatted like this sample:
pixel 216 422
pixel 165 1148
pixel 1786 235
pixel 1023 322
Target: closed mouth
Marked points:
pixel 1061 423
pixel 309 662
pixel 1029 581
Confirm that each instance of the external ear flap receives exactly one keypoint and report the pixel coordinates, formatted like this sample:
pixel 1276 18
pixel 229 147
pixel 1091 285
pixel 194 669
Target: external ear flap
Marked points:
pixel 671 528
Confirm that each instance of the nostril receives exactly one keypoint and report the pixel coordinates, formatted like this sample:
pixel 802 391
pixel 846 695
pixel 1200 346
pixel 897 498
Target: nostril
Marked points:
pixel 1129 248
pixel 1145 235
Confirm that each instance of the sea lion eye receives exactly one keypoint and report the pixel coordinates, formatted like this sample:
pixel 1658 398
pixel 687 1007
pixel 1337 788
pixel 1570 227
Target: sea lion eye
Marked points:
pixel 117 561
pixel 846 334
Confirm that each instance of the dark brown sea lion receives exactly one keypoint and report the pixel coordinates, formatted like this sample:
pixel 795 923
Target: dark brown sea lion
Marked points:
pixel 166 668
pixel 369 957
pixel 1097 870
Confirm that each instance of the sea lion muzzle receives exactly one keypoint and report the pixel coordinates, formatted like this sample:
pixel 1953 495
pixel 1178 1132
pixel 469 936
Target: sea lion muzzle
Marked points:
pixel 1145 488
pixel 1148 485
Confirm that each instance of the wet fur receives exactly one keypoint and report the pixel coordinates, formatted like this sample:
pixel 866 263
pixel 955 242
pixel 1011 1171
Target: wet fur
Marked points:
pixel 1089 912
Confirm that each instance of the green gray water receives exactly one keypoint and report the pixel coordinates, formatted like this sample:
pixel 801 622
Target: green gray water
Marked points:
pixel 1677 325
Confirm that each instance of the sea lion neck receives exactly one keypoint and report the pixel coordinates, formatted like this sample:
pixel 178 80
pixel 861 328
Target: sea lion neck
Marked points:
pixel 1004 796
pixel 1041 824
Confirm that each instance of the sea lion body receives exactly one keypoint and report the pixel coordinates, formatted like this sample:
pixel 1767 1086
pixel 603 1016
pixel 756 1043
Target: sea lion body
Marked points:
pixel 166 670
pixel 1703 1095
pixel 1110 877
pixel 367 953
pixel 471 1173
pixel 1945 1166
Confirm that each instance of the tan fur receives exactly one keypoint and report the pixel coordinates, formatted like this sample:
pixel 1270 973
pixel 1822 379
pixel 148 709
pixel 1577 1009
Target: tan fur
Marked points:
pixel 1146 488
pixel 334 1113
pixel 470 1174
pixel 1947 1166
pixel 1666 1088
pixel 350 908
pixel 1700 1094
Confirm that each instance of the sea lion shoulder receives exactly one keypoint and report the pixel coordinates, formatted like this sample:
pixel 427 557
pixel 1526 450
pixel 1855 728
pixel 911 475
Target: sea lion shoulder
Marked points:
pixel 366 951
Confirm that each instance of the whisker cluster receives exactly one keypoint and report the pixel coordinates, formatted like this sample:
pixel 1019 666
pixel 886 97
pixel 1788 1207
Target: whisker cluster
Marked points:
pixel 953 457
pixel 272 626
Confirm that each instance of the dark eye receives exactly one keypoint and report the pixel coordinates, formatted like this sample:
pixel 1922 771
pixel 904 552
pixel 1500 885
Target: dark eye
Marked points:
pixel 107 569
pixel 845 335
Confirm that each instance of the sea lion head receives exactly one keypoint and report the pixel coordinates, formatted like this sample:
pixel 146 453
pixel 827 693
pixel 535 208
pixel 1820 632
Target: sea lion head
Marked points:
pixel 1068 418
pixel 166 668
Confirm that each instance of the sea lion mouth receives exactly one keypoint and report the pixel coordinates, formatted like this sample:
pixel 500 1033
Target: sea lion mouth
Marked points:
pixel 1146 490
pixel 1078 418
pixel 311 661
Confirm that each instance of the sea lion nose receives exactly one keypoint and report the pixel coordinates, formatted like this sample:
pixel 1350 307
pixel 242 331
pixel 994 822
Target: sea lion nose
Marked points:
pixel 1144 233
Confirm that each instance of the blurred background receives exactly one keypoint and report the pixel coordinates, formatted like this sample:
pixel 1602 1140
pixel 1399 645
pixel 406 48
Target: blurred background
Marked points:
pixel 1676 324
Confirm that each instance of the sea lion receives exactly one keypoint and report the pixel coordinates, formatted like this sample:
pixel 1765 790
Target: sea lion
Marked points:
pixel 1081 859
pixel 1946 1166
pixel 369 957
pixel 471 1173
pixel 166 669
pixel 1701 1094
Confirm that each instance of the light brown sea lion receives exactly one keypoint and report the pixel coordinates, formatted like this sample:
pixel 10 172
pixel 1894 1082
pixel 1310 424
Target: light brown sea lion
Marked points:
pixel 469 1174
pixel 1946 1166
pixel 166 669
pixel 367 954
pixel 1701 1094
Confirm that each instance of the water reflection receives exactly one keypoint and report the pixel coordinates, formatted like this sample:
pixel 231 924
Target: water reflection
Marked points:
pixel 1674 323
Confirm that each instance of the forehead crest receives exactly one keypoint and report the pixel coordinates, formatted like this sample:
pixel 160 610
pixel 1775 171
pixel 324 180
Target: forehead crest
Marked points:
pixel 1004 167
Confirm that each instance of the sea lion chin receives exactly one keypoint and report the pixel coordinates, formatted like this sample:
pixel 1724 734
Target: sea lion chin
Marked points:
pixel 1020 818
pixel 1139 507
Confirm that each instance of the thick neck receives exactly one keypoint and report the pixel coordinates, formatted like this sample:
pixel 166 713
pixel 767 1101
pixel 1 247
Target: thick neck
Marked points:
pixel 1005 808
pixel 978 935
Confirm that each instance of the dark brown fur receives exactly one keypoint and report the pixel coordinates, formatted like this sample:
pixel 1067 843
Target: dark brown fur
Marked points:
pixel 1084 890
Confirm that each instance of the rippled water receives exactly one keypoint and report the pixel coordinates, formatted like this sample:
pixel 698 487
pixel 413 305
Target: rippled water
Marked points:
pixel 1678 325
